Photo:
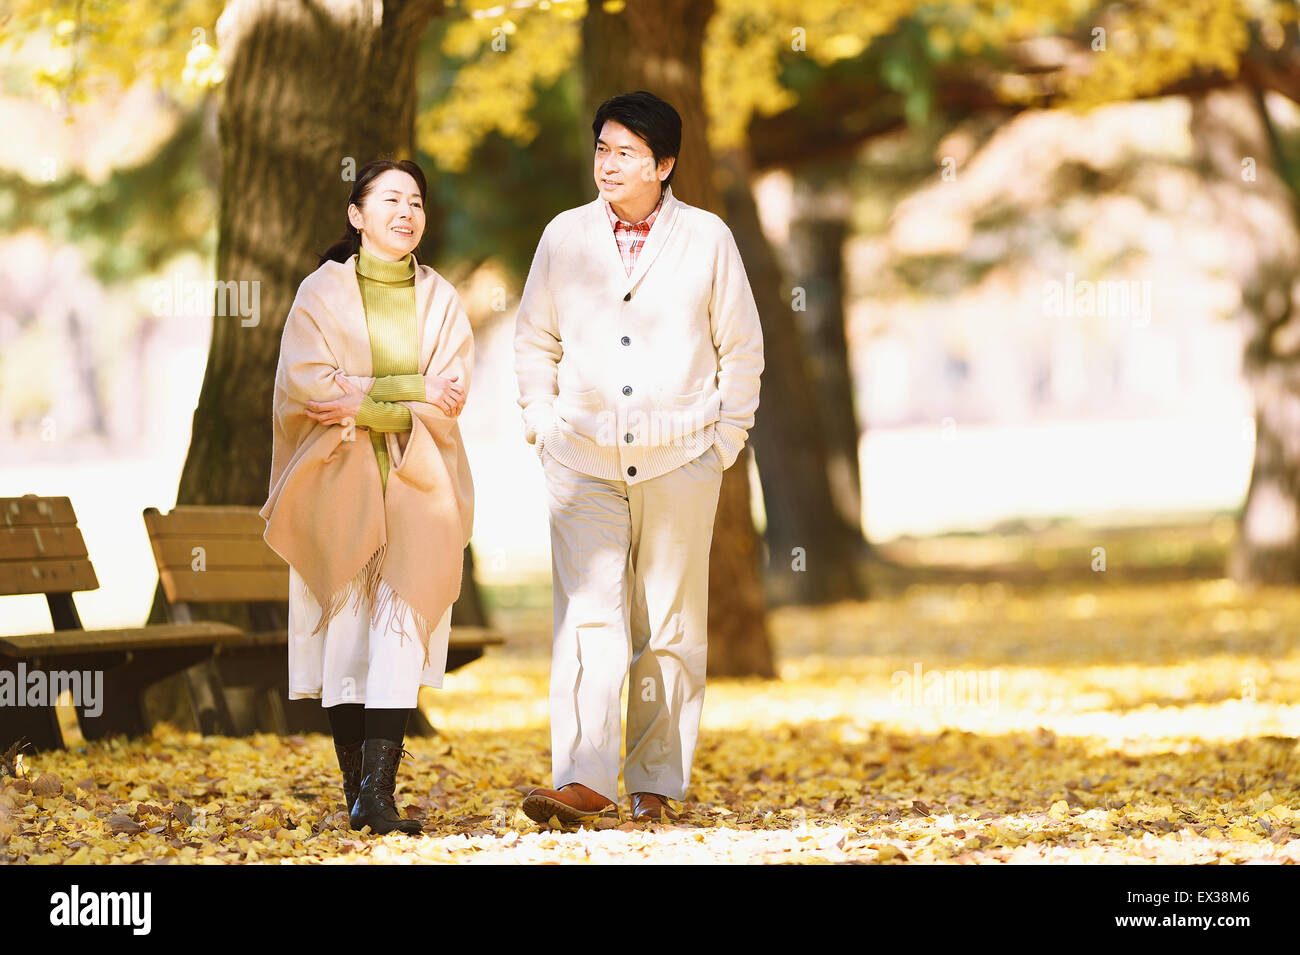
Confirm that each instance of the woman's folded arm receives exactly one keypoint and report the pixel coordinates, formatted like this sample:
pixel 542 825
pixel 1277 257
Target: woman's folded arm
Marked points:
pixel 398 388
pixel 383 415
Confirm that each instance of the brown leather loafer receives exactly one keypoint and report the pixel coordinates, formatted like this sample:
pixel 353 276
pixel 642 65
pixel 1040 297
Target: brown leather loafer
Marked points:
pixel 572 804
pixel 651 807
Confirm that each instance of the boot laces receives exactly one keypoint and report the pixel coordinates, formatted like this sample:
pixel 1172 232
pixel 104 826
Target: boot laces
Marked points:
pixel 387 783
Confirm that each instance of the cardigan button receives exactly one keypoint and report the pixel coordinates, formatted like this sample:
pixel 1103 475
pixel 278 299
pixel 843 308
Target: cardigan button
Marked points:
pixel 631 471
pixel 625 340
pixel 627 297
pixel 628 437
pixel 627 389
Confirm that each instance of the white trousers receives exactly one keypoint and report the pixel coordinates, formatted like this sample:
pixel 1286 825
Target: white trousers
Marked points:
pixel 353 662
pixel 630 571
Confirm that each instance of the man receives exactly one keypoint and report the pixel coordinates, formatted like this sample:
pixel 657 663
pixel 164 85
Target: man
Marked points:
pixel 638 353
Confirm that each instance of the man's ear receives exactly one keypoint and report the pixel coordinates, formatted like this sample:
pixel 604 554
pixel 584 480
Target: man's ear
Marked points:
pixel 671 161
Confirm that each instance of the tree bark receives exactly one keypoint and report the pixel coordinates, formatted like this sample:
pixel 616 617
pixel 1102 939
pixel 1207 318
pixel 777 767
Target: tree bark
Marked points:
pixel 312 91
pixel 812 559
pixel 658 46
pixel 818 230
pixel 1230 126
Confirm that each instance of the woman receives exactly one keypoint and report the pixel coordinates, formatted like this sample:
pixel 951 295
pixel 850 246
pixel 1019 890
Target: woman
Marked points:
pixel 371 500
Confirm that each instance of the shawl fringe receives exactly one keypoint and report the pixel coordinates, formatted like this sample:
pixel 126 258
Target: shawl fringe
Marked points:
pixel 387 609
pixel 359 588
pixel 397 616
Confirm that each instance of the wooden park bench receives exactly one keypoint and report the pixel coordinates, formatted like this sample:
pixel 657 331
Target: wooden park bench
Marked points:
pixel 42 552
pixel 214 555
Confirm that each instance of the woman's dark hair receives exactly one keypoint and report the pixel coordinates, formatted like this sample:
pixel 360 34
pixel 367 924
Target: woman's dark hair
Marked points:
pixel 647 116
pixel 350 244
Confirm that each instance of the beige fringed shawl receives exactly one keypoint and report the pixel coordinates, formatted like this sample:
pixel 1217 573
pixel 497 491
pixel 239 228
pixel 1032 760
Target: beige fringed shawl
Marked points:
pixel 328 514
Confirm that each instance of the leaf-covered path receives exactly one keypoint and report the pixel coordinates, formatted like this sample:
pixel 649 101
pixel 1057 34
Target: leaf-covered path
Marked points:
pixel 1120 724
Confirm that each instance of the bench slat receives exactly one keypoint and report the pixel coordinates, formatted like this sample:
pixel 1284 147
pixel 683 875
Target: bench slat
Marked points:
pixel 475 637
pixel 216 586
pixel 160 635
pixel 23 543
pixel 57 576
pixel 232 553
pixel 194 520
pixel 30 510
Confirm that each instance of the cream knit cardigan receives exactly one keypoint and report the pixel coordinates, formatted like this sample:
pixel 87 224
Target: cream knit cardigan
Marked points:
pixel 327 513
pixel 644 371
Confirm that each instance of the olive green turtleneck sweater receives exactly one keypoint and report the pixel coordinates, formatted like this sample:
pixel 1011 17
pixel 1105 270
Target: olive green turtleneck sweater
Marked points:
pixel 388 295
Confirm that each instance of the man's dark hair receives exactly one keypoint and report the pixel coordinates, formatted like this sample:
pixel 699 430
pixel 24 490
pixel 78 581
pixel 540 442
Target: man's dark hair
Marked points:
pixel 647 116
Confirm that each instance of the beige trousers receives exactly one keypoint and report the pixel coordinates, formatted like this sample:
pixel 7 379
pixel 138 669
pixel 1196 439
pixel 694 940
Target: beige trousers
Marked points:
pixel 630 570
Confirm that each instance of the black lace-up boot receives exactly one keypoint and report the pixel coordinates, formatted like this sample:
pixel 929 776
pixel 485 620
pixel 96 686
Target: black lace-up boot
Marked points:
pixel 375 806
pixel 349 755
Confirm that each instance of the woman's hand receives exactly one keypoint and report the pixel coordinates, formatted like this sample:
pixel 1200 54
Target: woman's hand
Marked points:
pixel 444 393
pixel 340 409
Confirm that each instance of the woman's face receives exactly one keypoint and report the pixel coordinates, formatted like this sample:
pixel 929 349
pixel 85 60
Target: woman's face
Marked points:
pixel 391 217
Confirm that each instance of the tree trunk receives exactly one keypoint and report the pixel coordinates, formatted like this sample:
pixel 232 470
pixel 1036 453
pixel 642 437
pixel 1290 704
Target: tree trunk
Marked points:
pixel 657 46
pixel 1258 205
pixel 312 92
pixel 820 226
pixel 812 559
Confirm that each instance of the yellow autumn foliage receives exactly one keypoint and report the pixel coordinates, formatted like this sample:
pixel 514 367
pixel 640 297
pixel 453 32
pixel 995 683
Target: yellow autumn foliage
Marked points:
pixel 1154 723
pixel 506 52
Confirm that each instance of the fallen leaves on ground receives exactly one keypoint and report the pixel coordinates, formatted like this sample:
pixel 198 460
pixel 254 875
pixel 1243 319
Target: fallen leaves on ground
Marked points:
pixel 1121 724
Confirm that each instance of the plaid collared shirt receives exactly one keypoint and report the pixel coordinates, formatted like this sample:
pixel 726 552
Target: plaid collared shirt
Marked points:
pixel 631 237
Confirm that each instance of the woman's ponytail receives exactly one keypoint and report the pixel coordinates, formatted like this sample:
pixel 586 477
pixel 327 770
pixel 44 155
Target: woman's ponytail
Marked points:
pixel 344 248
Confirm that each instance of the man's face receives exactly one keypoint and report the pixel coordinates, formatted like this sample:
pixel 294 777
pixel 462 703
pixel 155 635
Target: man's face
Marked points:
pixel 625 170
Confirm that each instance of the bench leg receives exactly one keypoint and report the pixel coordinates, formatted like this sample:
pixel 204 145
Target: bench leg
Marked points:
pixel 243 706
pixel 38 724
pixel 122 706
pixel 208 700
pixel 264 672
pixel 270 711
pixel 249 676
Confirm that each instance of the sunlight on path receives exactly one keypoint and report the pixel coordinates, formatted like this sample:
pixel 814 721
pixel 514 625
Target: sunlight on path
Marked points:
pixel 1125 724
